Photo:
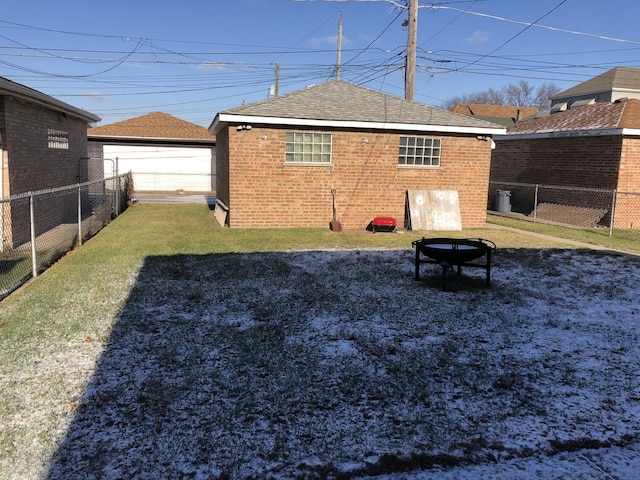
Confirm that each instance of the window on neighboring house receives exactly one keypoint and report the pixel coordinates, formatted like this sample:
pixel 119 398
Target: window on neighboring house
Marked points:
pixel 420 151
pixel 312 148
pixel 58 139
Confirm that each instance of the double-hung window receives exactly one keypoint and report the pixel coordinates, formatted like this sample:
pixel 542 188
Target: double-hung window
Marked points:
pixel 420 151
pixel 308 148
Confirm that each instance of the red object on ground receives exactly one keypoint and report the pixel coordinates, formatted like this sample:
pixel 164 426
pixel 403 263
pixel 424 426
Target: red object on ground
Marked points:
pixel 383 224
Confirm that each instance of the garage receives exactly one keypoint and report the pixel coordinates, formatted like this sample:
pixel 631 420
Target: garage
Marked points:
pixel 164 153
pixel 164 169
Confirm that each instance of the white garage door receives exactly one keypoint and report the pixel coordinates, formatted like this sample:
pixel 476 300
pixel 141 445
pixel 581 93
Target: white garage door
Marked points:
pixel 165 169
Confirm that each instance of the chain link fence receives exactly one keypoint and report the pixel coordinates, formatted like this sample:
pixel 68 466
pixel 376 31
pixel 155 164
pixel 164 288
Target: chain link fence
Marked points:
pixel 37 228
pixel 610 212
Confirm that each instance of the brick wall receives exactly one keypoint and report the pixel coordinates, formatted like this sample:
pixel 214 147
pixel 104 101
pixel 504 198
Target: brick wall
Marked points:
pixel 264 192
pixel 33 166
pixel 628 206
pixel 579 161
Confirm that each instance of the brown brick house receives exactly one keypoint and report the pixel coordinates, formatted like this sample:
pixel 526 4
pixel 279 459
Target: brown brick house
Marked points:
pixel 42 142
pixel 592 146
pixel 278 160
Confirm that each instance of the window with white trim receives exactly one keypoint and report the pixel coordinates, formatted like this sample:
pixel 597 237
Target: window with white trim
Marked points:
pixel 308 147
pixel 58 139
pixel 420 151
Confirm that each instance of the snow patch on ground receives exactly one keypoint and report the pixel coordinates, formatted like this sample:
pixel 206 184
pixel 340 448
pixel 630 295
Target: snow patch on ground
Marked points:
pixel 324 364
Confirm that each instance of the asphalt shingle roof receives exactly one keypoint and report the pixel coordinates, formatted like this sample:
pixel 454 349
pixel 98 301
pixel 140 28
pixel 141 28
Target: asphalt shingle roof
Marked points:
pixel 341 101
pixel 598 116
pixel 496 111
pixel 156 125
pixel 617 78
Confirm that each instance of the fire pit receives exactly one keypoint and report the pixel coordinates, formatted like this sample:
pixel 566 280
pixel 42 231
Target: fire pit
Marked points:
pixel 450 252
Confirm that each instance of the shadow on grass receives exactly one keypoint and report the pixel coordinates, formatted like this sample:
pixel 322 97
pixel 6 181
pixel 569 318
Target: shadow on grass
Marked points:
pixel 301 365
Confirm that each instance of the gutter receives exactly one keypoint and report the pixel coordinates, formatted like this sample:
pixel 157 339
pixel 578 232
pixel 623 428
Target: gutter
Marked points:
pixel 222 120
pixel 117 138
pixel 630 132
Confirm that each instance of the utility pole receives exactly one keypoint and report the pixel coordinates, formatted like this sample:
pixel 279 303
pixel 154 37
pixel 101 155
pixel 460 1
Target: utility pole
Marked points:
pixel 412 37
pixel 277 79
pixel 339 53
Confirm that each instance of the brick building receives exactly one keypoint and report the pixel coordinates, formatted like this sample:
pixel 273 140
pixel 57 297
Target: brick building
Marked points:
pixel 42 144
pixel 279 160
pixel 593 146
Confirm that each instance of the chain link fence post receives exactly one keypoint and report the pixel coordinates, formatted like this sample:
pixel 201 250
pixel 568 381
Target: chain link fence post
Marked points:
pixel 535 204
pixel 32 223
pixel 613 212
pixel 79 215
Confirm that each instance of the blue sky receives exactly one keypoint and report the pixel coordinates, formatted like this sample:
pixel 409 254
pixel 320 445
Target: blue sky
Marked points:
pixel 193 58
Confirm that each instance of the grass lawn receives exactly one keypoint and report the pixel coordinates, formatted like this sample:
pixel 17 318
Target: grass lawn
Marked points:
pixel 168 347
pixel 623 240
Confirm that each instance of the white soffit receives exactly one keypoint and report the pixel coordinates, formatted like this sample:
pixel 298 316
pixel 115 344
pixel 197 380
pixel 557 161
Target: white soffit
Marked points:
pixel 223 119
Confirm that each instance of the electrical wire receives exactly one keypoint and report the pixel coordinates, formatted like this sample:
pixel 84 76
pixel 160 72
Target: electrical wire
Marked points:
pixel 528 26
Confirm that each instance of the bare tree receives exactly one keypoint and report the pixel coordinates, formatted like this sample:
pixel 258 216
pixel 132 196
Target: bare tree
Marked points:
pixel 521 94
pixel 543 95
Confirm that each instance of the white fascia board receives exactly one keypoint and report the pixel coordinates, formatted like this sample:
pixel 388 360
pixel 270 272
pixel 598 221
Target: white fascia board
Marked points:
pixel 567 134
pixel 116 138
pixel 223 119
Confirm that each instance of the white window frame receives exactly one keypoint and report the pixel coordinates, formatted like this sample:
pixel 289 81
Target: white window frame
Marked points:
pixel 308 148
pixel 419 151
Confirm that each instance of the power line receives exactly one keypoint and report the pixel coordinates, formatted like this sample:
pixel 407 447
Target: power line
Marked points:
pixel 536 25
pixel 517 34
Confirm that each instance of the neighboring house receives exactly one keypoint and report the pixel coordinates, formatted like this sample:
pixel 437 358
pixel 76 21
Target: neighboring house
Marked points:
pixel 279 160
pixel 163 152
pixel 504 115
pixel 594 146
pixel 42 144
pixel 615 84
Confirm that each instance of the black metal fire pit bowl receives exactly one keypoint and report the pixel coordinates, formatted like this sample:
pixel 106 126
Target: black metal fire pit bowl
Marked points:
pixel 454 252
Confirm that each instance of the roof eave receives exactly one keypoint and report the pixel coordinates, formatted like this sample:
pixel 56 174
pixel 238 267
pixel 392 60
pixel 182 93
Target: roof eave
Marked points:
pixel 222 120
pixel 631 132
pixel 151 139
pixel 9 88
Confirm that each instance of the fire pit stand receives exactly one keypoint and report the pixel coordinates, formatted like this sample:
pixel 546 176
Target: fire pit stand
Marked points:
pixel 454 252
